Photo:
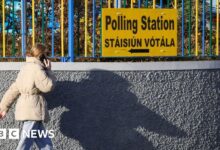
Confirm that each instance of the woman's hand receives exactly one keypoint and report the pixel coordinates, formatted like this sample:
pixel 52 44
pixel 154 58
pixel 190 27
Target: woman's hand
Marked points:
pixel 2 114
pixel 47 64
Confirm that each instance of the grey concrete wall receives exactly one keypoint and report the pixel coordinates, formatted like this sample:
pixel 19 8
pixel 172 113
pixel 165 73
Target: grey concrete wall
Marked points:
pixel 130 110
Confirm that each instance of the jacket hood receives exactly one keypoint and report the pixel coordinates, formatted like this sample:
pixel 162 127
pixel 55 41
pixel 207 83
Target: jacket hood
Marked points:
pixel 34 60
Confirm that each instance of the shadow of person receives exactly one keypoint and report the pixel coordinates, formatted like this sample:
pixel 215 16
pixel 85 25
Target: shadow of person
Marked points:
pixel 103 114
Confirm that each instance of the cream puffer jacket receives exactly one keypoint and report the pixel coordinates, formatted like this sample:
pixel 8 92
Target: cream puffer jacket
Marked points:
pixel 32 80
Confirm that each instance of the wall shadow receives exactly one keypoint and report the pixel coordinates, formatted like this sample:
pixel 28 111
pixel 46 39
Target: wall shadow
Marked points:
pixel 103 114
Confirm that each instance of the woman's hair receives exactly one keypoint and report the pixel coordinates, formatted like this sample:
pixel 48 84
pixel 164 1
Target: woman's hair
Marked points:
pixel 38 49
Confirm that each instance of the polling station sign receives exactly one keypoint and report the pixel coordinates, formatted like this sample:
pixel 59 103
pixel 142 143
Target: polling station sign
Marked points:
pixel 139 32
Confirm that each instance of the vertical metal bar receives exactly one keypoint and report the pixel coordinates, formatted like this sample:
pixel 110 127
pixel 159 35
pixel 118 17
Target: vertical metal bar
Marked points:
pixel 23 27
pixel 116 3
pixel 3 27
pixel 189 30
pixel 109 3
pixel 161 3
pixel 43 21
pixel 210 40
pixel 13 30
pixel 154 4
pixel 175 4
pixel 197 3
pixel 139 3
pixel 146 3
pixel 94 27
pixel 86 25
pixel 203 27
pixel 168 3
pixel 33 23
pixel 62 28
pixel 78 31
pixel 101 30
pixel 132 6
pixel 71 29
pixel 217 28
pixel 52 42
pixel 119 3
pixel 183 27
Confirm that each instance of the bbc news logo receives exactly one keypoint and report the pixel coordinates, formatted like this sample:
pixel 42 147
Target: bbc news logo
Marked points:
pixel 14 133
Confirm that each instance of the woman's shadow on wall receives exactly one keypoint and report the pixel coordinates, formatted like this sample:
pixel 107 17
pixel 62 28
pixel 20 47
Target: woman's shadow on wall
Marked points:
pixel 103 114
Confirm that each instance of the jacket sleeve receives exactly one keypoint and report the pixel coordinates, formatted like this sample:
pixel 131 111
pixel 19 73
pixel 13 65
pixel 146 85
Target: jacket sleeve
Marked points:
pixel 10 96
pixel 45 80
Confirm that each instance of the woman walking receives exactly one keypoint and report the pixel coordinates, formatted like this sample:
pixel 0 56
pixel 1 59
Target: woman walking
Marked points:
pixel 34 78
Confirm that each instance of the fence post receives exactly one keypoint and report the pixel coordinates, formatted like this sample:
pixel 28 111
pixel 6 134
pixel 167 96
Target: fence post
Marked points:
pixel 62 29
pixel 168 3
pixel 217 28
pixel 109 3
pixel 33 23
pixel 94 27
pixel 86 25
pixel 197 3
pixel 43 21
pixel 146 3
pixel 101 29
pixel 13 30
pixel 203 28
pixel 139 3
pixel 189 29
pixel 183 28
pixel 71 30
pixel 52 20
pixel 23 27
pixel 3 27
pixel 210 38
pixel 154 4
pixel 119 4
pixel 161 3
pixel 175 4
